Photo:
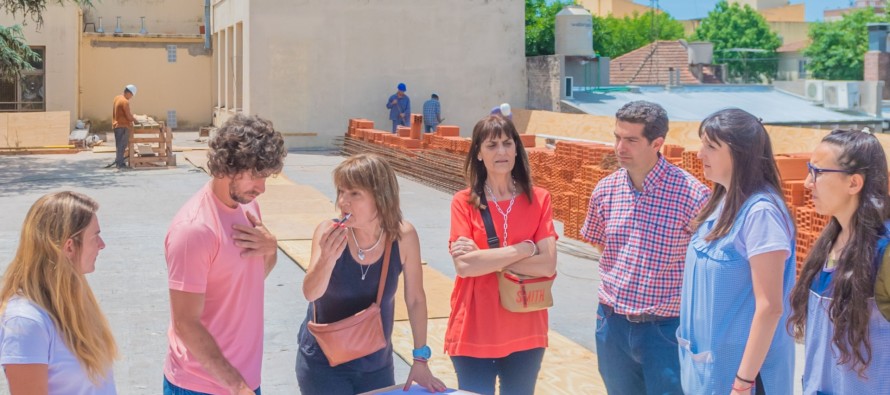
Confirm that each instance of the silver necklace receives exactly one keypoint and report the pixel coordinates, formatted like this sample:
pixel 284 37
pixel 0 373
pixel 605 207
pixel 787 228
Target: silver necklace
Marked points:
pixel 498 206
pixel 361 252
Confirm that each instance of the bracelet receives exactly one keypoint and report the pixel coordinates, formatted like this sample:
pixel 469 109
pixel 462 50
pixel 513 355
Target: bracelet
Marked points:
pixel 534 247
pixel 737 377
pixel 421 360
pixel 734 388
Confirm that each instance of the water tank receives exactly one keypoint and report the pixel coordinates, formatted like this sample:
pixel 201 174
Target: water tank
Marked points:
pixel 574 32
pixel 700 52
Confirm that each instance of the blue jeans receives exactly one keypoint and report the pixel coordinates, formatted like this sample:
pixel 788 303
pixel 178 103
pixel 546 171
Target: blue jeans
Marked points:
pixel 429 128
pixel 518 372
pixel 170 389
pixel 637 358
pixel 120 145
pixel 316 378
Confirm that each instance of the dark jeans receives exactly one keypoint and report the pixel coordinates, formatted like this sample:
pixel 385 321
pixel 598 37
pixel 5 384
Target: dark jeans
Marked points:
pixel 637 358
pixel 170 389
pixel 396 124
pixel 518 372
pixel 323 379
pixel 120 145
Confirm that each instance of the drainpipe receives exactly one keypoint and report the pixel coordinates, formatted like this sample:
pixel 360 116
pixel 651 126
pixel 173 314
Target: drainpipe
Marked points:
pixel 206 24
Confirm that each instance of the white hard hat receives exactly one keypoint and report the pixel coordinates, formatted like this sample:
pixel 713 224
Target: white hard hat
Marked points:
pixel 131 88
pixel 505 109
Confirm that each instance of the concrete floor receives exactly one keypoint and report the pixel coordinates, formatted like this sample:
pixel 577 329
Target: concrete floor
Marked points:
pixel 130 279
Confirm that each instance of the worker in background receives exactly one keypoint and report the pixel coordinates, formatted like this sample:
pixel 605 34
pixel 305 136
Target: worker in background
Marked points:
pixel 121 120
pixel 503 110
pixel 399 106
pixel 432 114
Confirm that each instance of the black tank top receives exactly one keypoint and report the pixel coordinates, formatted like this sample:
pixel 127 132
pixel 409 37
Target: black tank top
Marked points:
pixel 348 294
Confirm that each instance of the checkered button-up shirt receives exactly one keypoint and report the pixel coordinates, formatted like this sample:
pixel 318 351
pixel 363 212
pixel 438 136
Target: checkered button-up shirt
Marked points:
pixel 644 235
pixel 431 112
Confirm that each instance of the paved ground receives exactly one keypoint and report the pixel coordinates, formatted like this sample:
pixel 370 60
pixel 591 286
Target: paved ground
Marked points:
pixel 130 279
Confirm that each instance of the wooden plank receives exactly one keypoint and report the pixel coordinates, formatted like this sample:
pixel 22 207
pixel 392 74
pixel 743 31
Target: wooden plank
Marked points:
pixel 437 288
pixel 35 129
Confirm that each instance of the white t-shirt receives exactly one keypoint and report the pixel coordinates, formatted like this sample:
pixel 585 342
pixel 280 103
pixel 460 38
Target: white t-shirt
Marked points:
pixel 28 336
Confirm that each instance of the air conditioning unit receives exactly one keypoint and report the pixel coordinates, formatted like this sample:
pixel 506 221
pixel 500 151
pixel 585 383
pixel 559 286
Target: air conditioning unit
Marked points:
pixel 840 95
pixel 813 90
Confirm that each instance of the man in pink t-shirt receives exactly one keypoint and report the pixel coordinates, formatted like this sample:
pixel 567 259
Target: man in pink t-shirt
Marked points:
pixel 218 256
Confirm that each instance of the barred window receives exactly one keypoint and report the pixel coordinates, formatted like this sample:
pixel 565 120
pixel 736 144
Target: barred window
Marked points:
pixel 28 93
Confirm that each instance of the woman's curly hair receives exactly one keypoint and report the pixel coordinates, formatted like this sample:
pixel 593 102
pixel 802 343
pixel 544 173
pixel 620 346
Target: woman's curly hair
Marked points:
pixel 246 143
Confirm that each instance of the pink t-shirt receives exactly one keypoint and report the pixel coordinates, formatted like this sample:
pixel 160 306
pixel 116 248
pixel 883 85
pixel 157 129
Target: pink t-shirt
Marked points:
pixel 202 258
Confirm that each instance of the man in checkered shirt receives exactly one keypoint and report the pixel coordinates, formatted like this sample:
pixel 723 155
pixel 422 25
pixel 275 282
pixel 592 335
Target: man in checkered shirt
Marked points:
pixel 432 114
pixel 639 218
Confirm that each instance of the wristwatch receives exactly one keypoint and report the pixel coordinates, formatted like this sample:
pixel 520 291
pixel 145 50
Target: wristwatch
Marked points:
pixel 422 353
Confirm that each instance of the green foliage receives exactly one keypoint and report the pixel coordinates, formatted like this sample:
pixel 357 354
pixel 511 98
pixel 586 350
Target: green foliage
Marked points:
pixel 34 9
pixel 742 39
pixel 838 48
pixel 15 55
pixel 614 37
pixel 540 22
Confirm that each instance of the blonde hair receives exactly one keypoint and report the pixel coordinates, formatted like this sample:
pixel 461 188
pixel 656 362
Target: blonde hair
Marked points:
pixel 42 273
pixel 372 173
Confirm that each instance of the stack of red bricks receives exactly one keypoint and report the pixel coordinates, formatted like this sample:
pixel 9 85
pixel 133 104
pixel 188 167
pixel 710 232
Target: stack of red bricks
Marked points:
pixel 809 224
pixel 570 172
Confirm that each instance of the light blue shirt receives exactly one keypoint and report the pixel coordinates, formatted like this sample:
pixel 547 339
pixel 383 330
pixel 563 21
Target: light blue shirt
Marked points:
pixel 28 336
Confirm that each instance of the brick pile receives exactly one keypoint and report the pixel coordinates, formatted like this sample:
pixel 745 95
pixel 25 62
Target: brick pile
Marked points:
pixel 570 171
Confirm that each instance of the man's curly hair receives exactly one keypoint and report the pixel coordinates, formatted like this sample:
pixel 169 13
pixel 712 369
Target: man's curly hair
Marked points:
pixel 246 143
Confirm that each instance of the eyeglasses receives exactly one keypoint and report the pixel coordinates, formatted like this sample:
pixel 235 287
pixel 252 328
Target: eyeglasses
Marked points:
pixel 815 171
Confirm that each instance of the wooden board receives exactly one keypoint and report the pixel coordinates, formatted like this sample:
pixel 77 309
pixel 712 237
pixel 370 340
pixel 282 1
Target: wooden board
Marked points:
pixel 437 287
pixel 197 158
pixel 298 250
pixel 34 129
pixel 568 368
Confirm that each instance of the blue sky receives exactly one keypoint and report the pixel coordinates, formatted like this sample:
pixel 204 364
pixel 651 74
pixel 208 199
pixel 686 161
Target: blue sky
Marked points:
pixel 694 9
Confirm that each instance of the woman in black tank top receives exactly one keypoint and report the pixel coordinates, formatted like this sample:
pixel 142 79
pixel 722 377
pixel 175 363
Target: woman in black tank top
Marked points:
pixel 344 272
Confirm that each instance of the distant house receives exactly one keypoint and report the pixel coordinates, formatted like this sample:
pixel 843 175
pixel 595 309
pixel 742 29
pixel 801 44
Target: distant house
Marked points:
pixel 792 62
pixel 666 63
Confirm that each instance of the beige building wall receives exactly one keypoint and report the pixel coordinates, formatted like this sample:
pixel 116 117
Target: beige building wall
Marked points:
pixel 790 13
pixel 761 4
pixel 161 16
pixel 310 68
pixel 58 35
pixel 110 63
pixel 618 8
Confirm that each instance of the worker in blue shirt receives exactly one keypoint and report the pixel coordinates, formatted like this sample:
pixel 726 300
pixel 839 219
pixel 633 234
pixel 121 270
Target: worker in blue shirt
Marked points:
pixel 399 106
pixel 432 114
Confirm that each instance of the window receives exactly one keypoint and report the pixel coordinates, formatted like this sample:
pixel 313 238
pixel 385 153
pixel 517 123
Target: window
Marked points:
pixel 28 93
pixel 802 68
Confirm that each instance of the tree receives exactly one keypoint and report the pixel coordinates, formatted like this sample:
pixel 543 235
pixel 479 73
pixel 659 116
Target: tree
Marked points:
pixel 614 37
pixel 742 39
pixel 540 22
pixel 15 55
pixel 838 48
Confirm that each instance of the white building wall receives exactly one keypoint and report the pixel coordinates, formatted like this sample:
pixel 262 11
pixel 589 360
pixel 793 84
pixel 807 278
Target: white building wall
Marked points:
pixel 310 65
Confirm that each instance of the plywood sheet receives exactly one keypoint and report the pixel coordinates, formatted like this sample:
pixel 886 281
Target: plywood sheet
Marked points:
pixel 297 226
pixel 298 250
pixel 197 158
pixel 34 129
pixel 437 287
pixel 568 368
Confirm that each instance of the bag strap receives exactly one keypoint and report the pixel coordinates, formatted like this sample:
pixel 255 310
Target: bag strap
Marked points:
pixel 380 286
pixel 492 235
pixel 384 271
